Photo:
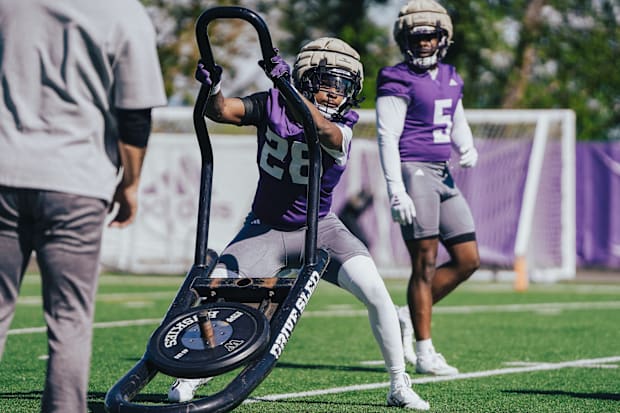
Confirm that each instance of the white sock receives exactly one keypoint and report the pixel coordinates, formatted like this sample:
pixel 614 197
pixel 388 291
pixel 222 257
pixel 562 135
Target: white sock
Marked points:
pixel 424 346
pixel 359 276
pixel 397 380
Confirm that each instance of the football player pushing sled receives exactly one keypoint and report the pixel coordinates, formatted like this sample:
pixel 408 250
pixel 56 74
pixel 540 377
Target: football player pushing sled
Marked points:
pixel 215 325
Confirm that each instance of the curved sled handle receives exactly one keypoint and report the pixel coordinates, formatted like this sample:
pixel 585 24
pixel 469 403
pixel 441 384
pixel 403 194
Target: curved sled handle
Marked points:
pixel 119 397
pixel 294 103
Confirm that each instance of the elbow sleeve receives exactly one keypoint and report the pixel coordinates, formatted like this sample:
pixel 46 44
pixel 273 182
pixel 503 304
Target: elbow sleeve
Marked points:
pixel 134 126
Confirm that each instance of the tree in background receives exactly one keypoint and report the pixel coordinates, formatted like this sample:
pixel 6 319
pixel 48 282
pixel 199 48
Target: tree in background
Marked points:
pixel 291 24
pixel 511 53
pixel 306 20
pixel 541 54
pixel 234 43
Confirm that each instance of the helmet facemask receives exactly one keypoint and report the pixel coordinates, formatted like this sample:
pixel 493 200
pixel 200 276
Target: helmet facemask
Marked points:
pixel 419 57
pixel 329 65
pixel 417 20
pixel 334 82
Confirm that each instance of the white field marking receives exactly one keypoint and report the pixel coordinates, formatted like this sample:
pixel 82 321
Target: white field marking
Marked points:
pixel 538 307
pixel 137 304
pixel 535 307
pixel 602 288
pixel 528 363
pixel 435 379
pixel 108 324
pixel 522 363
pixel 340 307
pixel 373 363
pixel 159 280
pixel 119 297
pixel 505 308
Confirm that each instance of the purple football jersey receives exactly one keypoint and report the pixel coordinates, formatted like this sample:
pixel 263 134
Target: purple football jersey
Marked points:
pixel 430 109
pixel 283 164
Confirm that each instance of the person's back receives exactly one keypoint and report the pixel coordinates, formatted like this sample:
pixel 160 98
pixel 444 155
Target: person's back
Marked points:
pixel 76 99
pixel 64 66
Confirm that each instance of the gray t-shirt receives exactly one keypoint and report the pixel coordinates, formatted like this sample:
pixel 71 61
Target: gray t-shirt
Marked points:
pixel 64 66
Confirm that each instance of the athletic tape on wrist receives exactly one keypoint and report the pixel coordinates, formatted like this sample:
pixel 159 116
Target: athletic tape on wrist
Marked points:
pixel 216 89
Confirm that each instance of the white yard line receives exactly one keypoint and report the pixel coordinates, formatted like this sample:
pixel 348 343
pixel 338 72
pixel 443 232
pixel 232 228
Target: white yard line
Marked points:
pixel 506 308
pixel 590 363
pixel 536 307
pixel 117 297
pixel 461 309
pixel 109 324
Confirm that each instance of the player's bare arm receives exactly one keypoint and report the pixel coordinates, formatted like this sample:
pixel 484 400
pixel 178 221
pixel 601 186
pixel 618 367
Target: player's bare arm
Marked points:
pixel 328 132
pixel 219 108
pixel 225 110
pixel 329 75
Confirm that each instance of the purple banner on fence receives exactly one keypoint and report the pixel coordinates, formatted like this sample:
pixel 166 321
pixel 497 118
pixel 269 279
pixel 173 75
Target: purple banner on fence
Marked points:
pixel 494 190
pixel 598 204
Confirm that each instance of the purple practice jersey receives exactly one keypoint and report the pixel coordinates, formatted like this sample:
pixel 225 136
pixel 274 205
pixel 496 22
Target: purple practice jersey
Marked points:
pixel 431 104
pixel 283 160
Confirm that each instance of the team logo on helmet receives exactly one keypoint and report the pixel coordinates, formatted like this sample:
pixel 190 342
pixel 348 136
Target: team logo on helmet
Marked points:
pixel 421 19
pixel 332 64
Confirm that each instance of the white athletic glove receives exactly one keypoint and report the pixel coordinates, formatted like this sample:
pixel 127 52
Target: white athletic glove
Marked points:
pixel 403 210
pixel 469 157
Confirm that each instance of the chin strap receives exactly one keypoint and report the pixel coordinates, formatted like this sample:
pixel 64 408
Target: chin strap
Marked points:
pixel 327 112
pixel 424 62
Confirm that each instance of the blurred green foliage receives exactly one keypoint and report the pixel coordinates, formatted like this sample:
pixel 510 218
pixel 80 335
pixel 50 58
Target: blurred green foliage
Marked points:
pixel 535 54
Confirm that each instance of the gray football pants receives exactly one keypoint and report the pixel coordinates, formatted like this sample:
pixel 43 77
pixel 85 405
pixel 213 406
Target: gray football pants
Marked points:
pixel 65 232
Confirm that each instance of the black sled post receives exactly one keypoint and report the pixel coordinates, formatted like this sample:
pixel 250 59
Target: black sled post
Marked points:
pixel 215 325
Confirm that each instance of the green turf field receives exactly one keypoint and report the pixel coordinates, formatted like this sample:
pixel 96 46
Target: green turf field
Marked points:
pixel 554 348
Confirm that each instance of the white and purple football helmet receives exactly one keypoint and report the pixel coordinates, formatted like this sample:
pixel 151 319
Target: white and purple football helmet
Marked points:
pixel 332 64
pixel 421 19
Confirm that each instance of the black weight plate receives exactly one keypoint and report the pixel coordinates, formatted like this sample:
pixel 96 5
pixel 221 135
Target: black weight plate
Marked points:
pixel 240 332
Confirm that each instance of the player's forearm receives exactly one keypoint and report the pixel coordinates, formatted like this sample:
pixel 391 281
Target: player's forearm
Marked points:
pixel 462 137
pixel 328 133
pixel 225 110
pixel 390 122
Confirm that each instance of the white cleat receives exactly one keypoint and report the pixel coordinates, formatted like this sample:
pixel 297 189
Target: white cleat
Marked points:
pixel 406 331
pixel 434 363
pixel 402 395
pixel 183 390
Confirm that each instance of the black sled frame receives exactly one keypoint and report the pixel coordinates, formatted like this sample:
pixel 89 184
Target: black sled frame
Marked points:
pixel 270 307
